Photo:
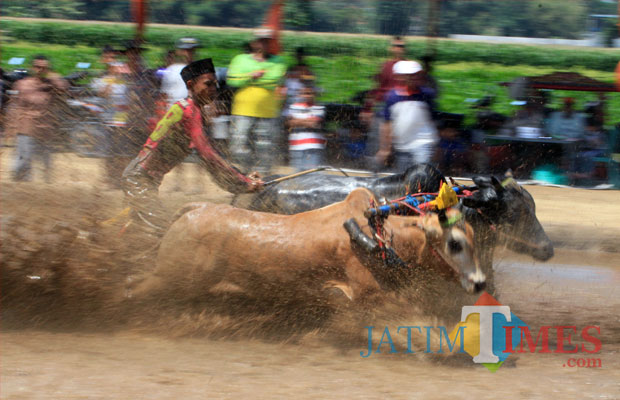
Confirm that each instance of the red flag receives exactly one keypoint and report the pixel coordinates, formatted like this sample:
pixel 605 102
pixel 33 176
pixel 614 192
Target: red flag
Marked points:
pixel 138 10
pixel 273 21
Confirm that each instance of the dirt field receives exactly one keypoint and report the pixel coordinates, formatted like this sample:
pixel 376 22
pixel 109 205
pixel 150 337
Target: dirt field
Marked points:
pixel 46 356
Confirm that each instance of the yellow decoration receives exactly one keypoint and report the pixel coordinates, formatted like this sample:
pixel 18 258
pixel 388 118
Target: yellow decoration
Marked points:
pixel 446 197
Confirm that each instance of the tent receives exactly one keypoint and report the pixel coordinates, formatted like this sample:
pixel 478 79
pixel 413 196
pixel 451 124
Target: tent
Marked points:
pixel 558 81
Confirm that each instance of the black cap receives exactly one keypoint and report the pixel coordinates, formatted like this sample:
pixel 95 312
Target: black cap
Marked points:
pixel 108 49
pixel 133 45
pixel 197 68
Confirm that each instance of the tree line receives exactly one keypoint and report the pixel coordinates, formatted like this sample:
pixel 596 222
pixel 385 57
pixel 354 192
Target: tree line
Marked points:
pixel 532 18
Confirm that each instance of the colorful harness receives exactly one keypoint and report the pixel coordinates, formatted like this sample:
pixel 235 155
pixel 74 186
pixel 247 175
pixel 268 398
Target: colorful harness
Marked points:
pixel 418 203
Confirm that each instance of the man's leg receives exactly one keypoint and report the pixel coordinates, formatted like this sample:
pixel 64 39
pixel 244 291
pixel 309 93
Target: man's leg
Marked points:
pixel 296 161
pixel 44 153
pixel 315 158
pixel 265 132
pixel 23 158
pixel 402 161
pixel 239 141
pixel 141 195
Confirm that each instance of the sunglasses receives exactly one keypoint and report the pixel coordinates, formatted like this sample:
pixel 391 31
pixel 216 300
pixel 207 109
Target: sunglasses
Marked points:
pixel 398 45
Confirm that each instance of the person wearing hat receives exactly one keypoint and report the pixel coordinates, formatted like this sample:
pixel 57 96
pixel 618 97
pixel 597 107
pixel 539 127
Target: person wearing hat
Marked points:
pixel 172 83
pixel 176 134
pixel 407 127
pixel 142 91
pixel 255 106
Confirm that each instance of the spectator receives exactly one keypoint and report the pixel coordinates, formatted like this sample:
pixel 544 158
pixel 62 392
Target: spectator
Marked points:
pixel 112 88
pixel 528 121
pixel 407 126
pixel 567 124
pixel 594 145
pixel 142 92
pixel 32 119
pixel 295 78
pixel 255 105
pixel 306 141
pixel 108 56
pixel 172 84
pixel 453 145
pixel 386 79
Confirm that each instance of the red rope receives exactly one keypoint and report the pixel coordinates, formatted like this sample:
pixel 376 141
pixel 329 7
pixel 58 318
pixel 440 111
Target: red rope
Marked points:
pixel 417 210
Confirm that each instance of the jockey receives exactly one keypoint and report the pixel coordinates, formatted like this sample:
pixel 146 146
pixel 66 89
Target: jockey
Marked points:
pixel 179 131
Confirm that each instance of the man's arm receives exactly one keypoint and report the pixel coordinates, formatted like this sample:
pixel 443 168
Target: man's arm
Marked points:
pixel 273 75
pixel 385 142
pixel 226 176
pixel 238 76
pixel 385 131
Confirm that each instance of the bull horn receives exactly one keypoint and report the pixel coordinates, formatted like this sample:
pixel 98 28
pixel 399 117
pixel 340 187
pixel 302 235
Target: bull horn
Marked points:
pixel 359 237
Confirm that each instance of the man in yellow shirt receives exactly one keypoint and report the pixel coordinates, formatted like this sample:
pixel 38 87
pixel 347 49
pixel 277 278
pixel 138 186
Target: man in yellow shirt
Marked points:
pixel 256 106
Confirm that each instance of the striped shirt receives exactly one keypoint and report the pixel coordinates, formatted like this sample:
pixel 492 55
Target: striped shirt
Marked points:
pixel 306 138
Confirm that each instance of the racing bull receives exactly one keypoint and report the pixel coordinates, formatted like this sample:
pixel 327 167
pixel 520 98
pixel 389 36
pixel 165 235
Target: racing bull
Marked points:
pixel 220 249
pixel 501 213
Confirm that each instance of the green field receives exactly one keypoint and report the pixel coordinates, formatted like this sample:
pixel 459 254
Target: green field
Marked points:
pixel 344 65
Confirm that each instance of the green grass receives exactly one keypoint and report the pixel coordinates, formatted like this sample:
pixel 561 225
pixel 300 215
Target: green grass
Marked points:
pixel 342 76
pixel 321 45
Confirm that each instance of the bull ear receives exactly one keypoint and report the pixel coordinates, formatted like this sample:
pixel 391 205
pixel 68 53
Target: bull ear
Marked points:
pixel 497 184
pixel 482 182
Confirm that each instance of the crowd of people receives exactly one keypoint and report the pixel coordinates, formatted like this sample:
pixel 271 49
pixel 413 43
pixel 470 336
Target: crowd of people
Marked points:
pixel 258 103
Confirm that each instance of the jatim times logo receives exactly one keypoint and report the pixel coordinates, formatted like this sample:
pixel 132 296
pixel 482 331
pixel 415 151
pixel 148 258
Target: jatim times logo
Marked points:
pixel 490 333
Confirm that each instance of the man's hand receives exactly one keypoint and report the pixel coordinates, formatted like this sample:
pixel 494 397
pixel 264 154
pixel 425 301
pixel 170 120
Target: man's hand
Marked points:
pixel 257 74
pixel 382 156
pixel 256 183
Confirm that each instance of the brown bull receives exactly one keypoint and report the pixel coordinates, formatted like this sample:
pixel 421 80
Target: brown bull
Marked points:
pixel 214 248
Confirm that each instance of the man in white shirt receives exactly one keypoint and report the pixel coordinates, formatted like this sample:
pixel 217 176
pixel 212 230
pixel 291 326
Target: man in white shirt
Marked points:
pixel 172 84
pixel 408 127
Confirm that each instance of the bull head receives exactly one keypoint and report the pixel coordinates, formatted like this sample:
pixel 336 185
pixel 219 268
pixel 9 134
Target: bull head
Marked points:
pixel 511 209
pixel 448 239
pixel 451 244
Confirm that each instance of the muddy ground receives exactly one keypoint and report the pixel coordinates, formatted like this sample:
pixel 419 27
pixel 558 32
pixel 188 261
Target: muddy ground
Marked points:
pixel 66 340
